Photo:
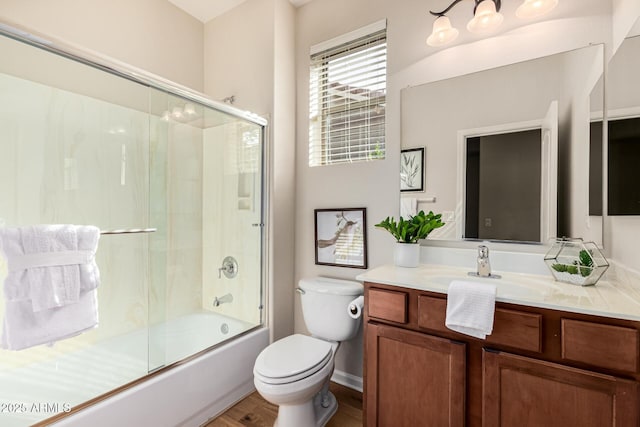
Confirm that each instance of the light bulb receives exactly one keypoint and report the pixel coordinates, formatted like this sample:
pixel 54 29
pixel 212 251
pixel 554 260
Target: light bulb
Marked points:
pixel 189 110
pixel 442 33
pixel 486 18
pixel 176 113
pixel 534 8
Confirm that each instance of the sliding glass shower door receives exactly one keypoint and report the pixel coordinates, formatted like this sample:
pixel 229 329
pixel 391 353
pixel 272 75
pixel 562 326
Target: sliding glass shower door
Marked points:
pixel 178 182
pixel 206 202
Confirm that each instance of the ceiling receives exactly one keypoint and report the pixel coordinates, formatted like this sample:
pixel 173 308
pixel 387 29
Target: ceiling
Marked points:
pixel 206 10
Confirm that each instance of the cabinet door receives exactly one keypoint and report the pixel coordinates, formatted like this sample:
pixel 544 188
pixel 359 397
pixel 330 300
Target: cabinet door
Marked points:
pixel 413 379
pixel 524 392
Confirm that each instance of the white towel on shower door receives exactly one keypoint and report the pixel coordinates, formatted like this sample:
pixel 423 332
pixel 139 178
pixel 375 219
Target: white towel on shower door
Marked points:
pixel 23 328
pixel 50 285
pixel 50 264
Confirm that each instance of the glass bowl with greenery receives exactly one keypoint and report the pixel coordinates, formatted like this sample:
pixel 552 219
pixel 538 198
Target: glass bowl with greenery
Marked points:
pixel 576 262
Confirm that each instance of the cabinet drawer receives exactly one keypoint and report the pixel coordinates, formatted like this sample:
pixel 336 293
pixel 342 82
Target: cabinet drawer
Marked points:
pixel 432 313
pixel 606 346
pixel 387 305
pixel 517 329
pixel 511 328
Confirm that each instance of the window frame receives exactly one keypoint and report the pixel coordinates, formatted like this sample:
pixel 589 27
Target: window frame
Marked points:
pixel 321 147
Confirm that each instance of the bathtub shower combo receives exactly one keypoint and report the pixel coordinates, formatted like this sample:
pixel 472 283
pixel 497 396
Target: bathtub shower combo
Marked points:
pixel 175 182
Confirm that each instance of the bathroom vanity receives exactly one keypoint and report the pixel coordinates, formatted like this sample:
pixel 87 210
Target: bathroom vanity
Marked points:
pixel 559 355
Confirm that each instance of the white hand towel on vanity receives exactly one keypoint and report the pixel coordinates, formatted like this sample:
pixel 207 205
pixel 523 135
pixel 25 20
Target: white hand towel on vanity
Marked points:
pixel 470 308
pixel 50 287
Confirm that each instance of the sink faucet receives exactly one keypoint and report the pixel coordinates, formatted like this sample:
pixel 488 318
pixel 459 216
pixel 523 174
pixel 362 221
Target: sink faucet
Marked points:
pixel 484 266
pixel 225 298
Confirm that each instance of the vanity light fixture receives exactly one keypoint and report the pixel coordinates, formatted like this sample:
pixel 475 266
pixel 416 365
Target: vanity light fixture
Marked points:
pixel 486 18
pixel 182 114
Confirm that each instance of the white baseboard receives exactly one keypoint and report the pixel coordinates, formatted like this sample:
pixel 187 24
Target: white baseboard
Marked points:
pixel 347 380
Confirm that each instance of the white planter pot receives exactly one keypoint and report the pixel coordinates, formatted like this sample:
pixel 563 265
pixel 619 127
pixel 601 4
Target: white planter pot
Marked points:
pixel 406 254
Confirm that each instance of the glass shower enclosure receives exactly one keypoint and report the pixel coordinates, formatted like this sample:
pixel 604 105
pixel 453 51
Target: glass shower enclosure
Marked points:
pixel 174 181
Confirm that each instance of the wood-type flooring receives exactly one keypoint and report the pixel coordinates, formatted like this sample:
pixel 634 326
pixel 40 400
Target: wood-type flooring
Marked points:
pixel 254 411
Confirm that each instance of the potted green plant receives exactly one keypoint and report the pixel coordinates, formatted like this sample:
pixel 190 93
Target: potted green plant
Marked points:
pixel 407 234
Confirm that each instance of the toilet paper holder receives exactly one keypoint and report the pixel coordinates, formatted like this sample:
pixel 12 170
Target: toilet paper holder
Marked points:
pixel 355 307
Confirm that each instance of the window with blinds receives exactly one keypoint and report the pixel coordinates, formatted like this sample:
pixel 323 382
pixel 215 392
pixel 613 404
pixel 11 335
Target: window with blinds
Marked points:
pixel 347 92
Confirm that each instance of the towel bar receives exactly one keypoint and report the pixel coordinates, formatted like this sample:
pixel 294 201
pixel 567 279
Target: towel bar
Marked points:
pixel 130 231
pixel 428 200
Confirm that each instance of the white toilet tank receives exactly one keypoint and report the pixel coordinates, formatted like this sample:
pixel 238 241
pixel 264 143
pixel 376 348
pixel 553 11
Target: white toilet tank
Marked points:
pixel 324 306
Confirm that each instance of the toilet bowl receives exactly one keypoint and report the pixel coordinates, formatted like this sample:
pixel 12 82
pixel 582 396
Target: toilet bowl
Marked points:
pixel 290 373
pixel 294 372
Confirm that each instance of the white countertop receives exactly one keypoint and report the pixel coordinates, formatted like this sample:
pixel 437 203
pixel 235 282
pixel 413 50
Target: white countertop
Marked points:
pixel 606 298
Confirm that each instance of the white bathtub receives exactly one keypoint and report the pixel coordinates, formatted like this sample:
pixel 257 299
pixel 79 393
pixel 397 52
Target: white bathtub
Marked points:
pixel 185 395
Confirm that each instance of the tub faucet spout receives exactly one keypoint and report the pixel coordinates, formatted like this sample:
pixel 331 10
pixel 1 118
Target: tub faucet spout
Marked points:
pixel 223 299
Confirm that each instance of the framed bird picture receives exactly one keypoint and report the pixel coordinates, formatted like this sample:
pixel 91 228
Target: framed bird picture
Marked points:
pixel 341 237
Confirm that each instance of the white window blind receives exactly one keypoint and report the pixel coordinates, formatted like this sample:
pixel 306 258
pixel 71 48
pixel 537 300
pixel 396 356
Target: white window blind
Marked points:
pixel 347 98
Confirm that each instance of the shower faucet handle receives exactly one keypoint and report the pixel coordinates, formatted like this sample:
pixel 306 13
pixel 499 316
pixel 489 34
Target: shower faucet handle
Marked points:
pixel 229 268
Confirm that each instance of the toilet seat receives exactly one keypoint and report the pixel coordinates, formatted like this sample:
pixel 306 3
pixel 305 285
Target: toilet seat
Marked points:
pixel 292 359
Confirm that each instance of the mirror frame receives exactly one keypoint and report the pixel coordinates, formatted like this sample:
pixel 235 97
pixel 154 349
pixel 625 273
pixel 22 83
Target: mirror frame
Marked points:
pixel 458 209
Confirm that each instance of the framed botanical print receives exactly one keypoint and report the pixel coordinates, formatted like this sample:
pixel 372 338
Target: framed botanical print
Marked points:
pixel 412 169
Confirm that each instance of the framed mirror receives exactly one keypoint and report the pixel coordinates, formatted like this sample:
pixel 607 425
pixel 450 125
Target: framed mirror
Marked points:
pixel 623 134
pixel 621 202
pixel 508 148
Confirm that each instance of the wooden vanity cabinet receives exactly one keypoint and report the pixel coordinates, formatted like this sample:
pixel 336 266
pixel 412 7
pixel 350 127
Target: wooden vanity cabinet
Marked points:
pixel 399 361
pixel 520 391
pixel 539 367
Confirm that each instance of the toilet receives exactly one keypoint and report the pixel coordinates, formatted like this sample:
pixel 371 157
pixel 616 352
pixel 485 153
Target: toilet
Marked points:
pixel 294 371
